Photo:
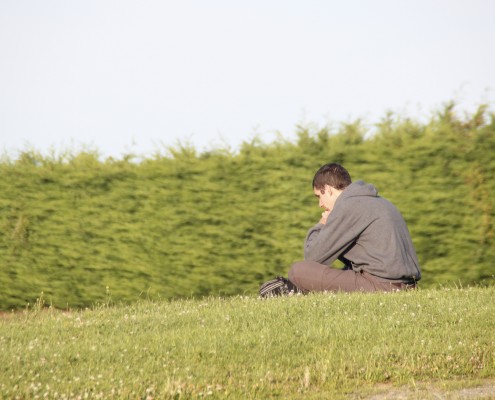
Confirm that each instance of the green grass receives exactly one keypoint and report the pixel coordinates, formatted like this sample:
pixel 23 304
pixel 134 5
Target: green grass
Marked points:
pixel 315 346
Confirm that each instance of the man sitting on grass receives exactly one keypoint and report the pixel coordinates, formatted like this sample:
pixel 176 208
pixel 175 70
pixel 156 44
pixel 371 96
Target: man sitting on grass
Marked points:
pixel 361 229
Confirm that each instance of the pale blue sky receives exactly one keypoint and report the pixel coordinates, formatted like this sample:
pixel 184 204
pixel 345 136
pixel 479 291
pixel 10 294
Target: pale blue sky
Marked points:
pixel 127 76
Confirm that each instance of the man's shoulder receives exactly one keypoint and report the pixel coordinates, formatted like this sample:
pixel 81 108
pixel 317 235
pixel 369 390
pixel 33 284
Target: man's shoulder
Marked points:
pixel 370 206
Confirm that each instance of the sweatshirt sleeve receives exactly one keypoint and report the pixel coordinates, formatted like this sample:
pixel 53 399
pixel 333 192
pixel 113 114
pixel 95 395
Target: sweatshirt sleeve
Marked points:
pixel 325 243
pixel 311 237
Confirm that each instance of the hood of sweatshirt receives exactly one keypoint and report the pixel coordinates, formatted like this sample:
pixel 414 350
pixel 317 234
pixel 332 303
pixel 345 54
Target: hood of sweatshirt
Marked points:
pixel 359 188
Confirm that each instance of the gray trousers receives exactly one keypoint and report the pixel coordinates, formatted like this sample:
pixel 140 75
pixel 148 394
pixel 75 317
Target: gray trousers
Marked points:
pixel 312 276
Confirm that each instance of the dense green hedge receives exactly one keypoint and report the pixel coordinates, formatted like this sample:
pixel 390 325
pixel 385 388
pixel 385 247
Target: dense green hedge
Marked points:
pixel 187 223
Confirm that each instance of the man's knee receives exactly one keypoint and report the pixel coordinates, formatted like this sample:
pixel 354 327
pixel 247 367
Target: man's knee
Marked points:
pixel 295 271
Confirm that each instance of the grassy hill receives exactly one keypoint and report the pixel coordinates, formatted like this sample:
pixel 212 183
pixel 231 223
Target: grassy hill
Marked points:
pixel 181 224
pixel 427 343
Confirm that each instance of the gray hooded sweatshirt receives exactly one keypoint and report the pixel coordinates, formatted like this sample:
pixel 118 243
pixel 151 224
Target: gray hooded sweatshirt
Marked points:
pixel 367 232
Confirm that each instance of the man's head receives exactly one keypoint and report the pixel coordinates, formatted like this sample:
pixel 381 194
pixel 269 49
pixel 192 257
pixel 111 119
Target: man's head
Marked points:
pixel 329 182
pixel 334 175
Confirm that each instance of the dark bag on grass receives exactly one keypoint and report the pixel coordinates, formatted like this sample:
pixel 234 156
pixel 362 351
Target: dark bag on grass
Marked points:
pixel 279 286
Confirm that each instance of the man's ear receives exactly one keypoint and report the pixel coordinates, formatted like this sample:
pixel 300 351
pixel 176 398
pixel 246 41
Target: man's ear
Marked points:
pixel 329 189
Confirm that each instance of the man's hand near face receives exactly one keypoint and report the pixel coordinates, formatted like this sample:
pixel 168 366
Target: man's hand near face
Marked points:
pixel 324 216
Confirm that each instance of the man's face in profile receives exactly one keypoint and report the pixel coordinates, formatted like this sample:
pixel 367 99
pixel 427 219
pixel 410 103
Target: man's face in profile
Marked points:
pixel 326 197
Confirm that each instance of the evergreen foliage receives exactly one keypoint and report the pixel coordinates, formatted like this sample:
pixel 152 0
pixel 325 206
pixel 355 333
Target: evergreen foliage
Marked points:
pixel 219 223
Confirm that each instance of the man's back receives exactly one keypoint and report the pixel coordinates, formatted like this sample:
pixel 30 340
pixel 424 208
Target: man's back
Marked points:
pixel 368 231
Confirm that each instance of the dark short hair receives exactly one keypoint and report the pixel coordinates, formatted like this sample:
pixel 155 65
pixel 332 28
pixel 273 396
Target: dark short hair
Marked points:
pixel 332 174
